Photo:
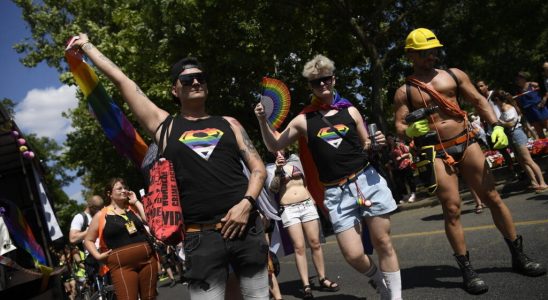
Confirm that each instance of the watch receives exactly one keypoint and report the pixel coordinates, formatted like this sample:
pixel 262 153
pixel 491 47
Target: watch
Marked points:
pixel 251 200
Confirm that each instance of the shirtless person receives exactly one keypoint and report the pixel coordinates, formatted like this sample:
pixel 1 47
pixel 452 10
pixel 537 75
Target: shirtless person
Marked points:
pixel 300 218
pixel 456 151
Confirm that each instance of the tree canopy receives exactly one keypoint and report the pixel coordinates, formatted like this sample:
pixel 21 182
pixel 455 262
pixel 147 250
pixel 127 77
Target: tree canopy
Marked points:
pixel 239 42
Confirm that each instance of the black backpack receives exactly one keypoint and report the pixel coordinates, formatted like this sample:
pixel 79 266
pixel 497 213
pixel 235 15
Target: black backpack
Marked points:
pixel 85 224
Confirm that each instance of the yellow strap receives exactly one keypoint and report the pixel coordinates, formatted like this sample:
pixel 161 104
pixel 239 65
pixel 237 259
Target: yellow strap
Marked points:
pixel 124 216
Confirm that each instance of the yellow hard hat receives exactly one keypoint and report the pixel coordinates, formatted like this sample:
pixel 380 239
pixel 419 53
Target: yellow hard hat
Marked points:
pixel 421 39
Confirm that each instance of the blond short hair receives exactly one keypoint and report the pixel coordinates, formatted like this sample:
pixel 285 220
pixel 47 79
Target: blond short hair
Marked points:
pixel 319 64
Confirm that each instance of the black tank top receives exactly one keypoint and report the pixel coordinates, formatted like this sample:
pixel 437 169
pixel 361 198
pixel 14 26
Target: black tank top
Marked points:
pixel 115 233
pixel 335 157
pixel 206 159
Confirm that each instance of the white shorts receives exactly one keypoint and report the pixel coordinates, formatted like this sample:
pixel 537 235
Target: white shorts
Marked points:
pixel 300 212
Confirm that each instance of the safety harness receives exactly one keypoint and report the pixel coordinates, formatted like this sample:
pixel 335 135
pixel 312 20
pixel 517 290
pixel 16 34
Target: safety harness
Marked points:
pixel 448 107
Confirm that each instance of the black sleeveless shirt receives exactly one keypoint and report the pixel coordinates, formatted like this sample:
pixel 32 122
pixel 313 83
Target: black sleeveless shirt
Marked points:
pixel 206 159
pixel 115 233
pixel 335 157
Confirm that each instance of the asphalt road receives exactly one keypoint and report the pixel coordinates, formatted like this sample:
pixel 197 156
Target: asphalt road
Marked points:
pixel 427 266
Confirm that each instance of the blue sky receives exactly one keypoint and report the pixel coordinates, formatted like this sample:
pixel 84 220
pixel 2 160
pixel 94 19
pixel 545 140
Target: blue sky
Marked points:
pixel 40 96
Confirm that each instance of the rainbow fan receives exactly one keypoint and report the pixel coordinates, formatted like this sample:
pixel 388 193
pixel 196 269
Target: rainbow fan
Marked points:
pixel 276 101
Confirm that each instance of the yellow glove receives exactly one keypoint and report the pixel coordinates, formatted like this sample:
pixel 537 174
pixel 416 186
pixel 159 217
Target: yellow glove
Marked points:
pixel 417 128
pixel 499 138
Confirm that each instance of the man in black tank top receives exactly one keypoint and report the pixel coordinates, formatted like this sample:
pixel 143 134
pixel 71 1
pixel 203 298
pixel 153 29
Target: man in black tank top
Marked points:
pixel 218 200
pixel 334 132
pixel 439 89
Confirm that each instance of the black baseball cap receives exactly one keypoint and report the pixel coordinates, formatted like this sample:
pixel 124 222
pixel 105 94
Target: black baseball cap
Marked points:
pixel 183 64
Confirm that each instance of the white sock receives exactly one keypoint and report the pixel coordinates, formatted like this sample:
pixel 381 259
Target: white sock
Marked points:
pixel 378 278
pixel 393 283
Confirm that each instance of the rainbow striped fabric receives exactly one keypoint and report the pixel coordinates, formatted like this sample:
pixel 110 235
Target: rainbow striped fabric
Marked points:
pixel 22 232
pixel 276 101
pixel 116 126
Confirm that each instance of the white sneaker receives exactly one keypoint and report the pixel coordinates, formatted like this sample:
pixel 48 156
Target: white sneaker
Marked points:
pixel 411 198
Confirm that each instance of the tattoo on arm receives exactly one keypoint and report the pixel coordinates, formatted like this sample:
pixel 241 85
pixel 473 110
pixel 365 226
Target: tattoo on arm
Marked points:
pixel 275 184
pixel 249 150
pixel 139 91
pixel 107 60
pixel 87 46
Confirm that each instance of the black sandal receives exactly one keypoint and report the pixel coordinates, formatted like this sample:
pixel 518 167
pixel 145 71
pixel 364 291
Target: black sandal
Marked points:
pixel 333 287
pixel 307 292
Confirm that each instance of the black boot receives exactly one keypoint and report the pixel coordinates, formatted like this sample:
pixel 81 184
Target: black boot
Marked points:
pixel 473 284
pixel 520 262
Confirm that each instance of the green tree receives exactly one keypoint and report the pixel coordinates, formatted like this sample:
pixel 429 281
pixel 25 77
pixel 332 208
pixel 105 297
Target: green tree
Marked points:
pixel 241 41
pixel 55 176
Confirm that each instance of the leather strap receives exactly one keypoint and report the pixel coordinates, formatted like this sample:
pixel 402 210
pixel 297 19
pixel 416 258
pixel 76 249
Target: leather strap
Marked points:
pixel 202 227
pixel 458 140
pixel 346 179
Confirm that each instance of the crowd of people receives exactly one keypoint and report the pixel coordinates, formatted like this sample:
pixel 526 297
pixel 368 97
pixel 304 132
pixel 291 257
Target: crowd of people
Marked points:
pixel 225 247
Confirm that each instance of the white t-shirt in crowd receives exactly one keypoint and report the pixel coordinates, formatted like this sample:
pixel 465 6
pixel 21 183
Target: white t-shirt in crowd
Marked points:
pixel 78 221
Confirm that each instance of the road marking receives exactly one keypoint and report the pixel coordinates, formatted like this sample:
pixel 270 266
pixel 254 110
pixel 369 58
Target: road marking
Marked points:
pixel 475 228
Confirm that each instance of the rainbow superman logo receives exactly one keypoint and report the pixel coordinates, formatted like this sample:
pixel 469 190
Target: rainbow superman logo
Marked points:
pixel 203 141
pixel 330 137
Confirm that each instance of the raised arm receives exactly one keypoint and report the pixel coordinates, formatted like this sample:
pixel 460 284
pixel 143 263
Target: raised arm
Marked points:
pixel 147 113
pixel 274 143
pixel 133 201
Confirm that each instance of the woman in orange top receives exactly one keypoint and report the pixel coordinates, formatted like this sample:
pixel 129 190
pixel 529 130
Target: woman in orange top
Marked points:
pixel 124 246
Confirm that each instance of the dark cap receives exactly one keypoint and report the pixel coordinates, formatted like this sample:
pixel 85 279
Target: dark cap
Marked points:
pixel 524 75
pixel 183 64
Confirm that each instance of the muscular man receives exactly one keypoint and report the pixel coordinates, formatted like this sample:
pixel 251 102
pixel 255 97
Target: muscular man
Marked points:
pixel 447 129
pixel 218 200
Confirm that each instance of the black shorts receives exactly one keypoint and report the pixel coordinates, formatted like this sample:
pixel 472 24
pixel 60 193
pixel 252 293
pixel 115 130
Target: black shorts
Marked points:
pixel 207 253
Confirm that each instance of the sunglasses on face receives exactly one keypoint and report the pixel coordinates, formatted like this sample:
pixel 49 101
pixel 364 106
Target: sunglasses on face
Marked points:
pixel 426 53
pixel 317 83
pixel 188 79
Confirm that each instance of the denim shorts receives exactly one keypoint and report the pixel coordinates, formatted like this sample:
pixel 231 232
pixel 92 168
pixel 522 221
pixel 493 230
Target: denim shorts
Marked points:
pixel 300 212
pixel 208 254
pixel 344 211
pixel 518 137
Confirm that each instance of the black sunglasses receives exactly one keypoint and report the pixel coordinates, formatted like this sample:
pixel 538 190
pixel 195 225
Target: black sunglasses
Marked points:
pixel 188 79
pixel 316 83
pixel 427 52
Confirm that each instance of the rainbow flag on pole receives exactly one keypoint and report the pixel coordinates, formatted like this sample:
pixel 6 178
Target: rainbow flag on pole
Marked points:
pixel 116 126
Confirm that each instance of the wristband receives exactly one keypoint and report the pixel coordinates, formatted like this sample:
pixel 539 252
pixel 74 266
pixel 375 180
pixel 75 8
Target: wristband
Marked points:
pixel 251 200
pixel 82 46
pixel 497 123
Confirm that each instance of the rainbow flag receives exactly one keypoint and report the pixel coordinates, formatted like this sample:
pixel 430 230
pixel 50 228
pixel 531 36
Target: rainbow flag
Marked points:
pixel 116 126
pixel 21 232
